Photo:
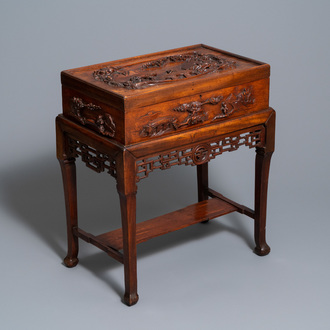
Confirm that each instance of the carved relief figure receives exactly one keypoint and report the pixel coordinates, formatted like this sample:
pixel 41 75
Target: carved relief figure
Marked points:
pixel 91 114
pixel 163 70
pixel 234 101
pixel 159 126
pixel 196 113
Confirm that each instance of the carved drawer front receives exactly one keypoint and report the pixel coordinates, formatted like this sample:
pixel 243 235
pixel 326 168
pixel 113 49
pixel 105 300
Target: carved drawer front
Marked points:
pixel 197 110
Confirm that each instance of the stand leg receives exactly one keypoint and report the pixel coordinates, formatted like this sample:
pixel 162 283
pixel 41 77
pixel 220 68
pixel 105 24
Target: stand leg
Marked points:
pixel 68 168
pixel 203 183
pixel 261 184
pixel 126 186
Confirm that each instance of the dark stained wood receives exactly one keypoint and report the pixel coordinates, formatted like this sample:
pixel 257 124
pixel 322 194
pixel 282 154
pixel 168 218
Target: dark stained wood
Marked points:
pixel 190 215
pixel 184 106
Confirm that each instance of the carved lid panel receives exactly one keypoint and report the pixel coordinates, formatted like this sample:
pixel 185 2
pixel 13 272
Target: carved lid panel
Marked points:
pixel 154 78
pixel 164 70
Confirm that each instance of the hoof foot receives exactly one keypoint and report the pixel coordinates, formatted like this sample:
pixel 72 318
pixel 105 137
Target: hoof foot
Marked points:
pixel 262 250
pixel 70 262
pixel 131 299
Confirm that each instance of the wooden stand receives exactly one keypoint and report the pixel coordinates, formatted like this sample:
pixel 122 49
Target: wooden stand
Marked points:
pixel 161 147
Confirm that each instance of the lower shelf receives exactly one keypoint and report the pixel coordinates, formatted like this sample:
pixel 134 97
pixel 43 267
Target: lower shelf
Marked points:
pixel 170 222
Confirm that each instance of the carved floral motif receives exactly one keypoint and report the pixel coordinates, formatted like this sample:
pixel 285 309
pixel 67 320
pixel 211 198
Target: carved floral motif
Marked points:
pixel 169 69
pixel 94 115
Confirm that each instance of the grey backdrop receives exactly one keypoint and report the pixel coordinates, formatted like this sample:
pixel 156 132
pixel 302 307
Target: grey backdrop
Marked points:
pixel 204 277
